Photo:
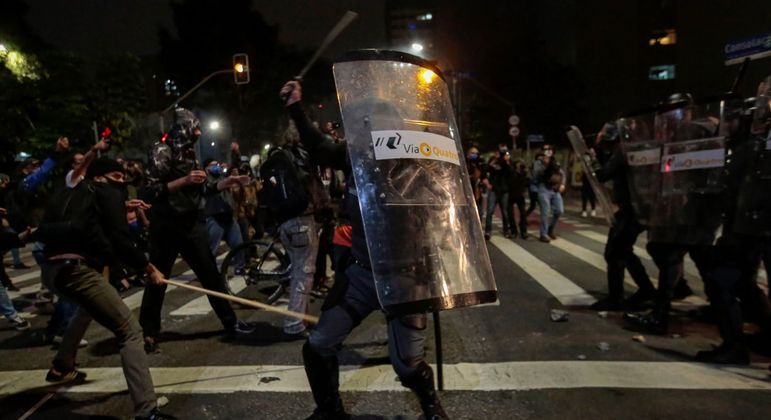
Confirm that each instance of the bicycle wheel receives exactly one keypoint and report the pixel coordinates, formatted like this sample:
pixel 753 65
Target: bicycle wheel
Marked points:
pixel 256 270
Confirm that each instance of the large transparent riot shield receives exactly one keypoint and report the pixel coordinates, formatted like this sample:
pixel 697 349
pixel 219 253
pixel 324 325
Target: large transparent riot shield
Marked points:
pixel 582 153
pixel 690 206
pixel 425 241
pixel 751 164
pixel 642 152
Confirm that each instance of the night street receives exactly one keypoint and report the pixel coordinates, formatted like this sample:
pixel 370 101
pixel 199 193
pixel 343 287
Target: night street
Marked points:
pixel 501 362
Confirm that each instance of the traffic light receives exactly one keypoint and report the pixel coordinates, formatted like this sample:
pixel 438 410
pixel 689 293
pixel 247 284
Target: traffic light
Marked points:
pixel 241 69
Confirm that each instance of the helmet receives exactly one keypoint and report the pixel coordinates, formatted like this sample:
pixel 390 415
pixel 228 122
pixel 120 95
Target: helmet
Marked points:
pixel 183 131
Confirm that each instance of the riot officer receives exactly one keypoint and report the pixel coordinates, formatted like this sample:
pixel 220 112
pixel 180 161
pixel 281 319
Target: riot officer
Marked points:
pixel 619 251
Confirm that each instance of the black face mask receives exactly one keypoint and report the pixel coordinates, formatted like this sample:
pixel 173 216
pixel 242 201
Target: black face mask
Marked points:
pixel 121 187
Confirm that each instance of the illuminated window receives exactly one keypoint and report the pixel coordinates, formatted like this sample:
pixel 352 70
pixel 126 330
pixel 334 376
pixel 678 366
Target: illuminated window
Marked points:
pixel 665 37
pixel 666 72
pixel 425 16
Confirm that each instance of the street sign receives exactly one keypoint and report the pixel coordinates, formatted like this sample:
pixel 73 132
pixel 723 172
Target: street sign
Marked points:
pixel 754 47
pixel 535 138
pixel 514 119
pixel 514 131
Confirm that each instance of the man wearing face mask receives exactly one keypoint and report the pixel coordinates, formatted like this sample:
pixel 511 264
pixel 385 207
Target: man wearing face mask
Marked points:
pixel 550 179
pixel 478 176
pixel 176 185
pixel 500 172
pixel 85 230
pixel 219 210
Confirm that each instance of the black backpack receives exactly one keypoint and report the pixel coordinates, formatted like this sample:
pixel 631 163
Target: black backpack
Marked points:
pixel 283 186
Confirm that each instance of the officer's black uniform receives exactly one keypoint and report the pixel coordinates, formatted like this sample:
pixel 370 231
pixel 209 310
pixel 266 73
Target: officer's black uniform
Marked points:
pixel 619 249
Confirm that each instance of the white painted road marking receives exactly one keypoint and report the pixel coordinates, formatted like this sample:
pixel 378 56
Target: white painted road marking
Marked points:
pixel 516 376
pixel 567 292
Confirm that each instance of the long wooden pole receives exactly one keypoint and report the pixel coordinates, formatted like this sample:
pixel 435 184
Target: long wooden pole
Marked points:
pixel 305 317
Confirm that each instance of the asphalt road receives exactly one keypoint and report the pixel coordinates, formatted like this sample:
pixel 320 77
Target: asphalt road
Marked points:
pixel 501 361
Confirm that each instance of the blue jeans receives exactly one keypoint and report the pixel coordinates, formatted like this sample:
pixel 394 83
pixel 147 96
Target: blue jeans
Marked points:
pixel 550 202
pixel 230 231
pixel 6 306
pixel 300 238
pixel 502 201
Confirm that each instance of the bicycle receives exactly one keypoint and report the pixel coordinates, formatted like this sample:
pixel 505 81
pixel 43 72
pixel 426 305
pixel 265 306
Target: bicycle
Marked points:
pixel 264 274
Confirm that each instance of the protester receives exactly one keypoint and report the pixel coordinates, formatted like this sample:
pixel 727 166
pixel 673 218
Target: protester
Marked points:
pixel 550 179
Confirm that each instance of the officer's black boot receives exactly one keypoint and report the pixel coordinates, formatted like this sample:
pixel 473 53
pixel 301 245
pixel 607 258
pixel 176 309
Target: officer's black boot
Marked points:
pixel 422 384
pixel 324 378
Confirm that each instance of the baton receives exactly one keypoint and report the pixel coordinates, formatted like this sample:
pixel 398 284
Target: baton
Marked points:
pixel 344 21
pixel 246 302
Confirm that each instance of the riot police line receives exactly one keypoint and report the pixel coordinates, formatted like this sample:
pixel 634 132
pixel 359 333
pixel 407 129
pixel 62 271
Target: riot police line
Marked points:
pixel 694 174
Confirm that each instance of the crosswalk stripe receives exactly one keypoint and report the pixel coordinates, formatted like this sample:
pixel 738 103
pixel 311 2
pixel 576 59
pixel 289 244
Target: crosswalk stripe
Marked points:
pixel 567 292
pixel 517 376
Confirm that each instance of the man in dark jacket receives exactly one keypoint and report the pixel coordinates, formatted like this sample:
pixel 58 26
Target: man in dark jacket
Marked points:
pixel 176 186
pixel 85 231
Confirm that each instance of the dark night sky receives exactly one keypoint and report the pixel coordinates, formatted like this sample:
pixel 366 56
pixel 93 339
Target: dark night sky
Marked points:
pixel 95 26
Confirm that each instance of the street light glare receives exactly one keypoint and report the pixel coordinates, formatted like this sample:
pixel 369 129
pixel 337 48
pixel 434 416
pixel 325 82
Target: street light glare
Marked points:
pixel 3 48
pixel 417 47
pixel 214 125
pixel 427 76
pixel 267 147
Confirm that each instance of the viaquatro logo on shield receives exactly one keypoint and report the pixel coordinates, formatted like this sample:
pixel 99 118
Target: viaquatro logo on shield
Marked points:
pixel 407 144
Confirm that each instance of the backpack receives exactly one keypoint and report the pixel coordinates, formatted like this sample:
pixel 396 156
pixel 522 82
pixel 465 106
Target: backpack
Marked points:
pixel 283 186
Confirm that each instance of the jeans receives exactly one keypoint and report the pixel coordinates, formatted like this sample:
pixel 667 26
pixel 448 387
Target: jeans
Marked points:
pixel 301 241
pixel 501 199
pixel 230 231
pixel 98 299
pixel 6 305
pixel 550 202
pixel 183 235
pixel 64 309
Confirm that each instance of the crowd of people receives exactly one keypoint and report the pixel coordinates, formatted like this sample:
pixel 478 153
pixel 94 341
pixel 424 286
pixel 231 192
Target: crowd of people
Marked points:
pixel 89 216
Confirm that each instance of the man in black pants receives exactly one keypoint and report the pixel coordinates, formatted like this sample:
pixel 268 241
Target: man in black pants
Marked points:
pixel 619 251
pixel 354 298
pixel 176 185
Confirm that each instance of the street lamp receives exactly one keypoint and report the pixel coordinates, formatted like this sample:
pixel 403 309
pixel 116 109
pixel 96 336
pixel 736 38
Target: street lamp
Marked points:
pixel 3 48
pixel 266 147
pixel 214 125
pixel 416 47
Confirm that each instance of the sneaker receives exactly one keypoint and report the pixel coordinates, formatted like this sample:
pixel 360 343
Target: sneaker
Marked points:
pixel 151 346
pixel 157 415
pixel 487 236
pixel 242 328
pixel 552 235
pixel 544 239
pixel 71 375
pixel 21 266
pixel 524 235
pixel 507 235
pixel 594 213
pixel 583 213
pixel 19 324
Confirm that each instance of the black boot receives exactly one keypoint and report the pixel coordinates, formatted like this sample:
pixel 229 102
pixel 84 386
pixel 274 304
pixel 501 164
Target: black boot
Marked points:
pixel 725 354
pixel 655 322
pixel 422 384
pixel 682 290
pixel 324 378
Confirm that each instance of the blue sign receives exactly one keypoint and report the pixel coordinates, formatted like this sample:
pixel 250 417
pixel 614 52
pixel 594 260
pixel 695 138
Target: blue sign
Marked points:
pixel 535 138
pixel 754 48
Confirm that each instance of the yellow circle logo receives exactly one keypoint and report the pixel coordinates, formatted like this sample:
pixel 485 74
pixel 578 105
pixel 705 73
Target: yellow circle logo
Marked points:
pixel 425 149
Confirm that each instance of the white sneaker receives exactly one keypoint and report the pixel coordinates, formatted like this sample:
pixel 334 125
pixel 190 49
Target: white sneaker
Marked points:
pixel 583 213
pixel 594 213
pixel 18 323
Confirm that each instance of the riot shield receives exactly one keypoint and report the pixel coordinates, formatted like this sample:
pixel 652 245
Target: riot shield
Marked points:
pixel 642 152
pixel 692 199
pixel 582 152
pixel 425 241
pixel 752 162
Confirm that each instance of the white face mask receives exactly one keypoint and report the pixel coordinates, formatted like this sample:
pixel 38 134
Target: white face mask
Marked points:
pixel 548 153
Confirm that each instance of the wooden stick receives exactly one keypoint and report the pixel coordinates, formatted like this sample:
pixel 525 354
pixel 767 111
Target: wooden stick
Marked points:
pixel 305 317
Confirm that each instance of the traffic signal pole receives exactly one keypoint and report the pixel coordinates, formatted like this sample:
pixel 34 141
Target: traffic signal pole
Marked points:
pixel 194 88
